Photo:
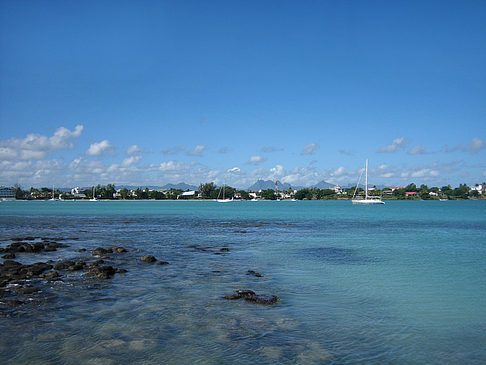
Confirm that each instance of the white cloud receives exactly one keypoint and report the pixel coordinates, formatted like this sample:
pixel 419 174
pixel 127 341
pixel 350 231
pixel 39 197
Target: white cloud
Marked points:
pixel 310 149
pixel 417 150
pixel 424 173
pixel 396 144
pixel 197 151
pixel 100 148
pixel 133 150
pixel 36 146
pixel 256 160
pixel 132 160
pixel 224 149
pixel 277 171
pixel 476 145
pixel 268 149
pixel 172 166
pixel 339 171
pixel 234 169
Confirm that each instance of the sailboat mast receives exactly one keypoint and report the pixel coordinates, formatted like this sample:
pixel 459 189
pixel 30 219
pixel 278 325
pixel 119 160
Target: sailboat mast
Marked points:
pixel 366 180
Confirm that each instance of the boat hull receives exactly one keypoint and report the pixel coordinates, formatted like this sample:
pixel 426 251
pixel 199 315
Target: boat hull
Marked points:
pixel 368 201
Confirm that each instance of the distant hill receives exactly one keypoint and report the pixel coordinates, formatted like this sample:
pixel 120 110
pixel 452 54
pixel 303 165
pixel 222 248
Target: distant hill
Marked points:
pixel 269 184
pixel 180 186
pixel 324 185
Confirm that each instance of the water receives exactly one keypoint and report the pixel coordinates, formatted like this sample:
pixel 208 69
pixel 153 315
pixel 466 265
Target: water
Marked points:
pixel 400 283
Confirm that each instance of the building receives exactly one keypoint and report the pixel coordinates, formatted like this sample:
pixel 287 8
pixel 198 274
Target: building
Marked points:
pixel 7 193
pixel 411 194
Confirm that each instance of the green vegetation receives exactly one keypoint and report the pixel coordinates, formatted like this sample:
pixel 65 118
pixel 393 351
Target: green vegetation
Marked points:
pixel 212 191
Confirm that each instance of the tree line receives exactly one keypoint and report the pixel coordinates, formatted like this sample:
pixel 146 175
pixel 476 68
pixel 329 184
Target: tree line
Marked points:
pixel 212 191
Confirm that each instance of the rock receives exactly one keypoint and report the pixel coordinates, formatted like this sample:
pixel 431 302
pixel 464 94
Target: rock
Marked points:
pixel 251 296
pixel 77 266
pixel 102 272
pixel 9 256
pixel 12 302
pixel 148 258
pixel 119 249
pixel 63 265
pixel 224 249
pixel 121 271
pixel 262 299
pixel 50 275
pixel 26 290
pixel 233 296
pixel 245 292
pixel 254 273
pixel 81 250
pixel 102 251
pixel 162 263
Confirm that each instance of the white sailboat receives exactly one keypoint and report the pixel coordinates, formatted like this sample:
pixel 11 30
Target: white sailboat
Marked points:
pixel 93 199
pixel 223 200
pixel 368 200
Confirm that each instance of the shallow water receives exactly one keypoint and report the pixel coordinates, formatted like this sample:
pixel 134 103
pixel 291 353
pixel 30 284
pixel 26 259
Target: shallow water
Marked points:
pixel 399 283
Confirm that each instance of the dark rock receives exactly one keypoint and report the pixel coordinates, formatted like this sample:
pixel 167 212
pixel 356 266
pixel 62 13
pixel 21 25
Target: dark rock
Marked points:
pixel 77 266
pixel 102 251
pixel 12 302
pixel 50 275
pixel 233 296
pixel 63 265
pixel 26 290
pixel 148 258
pixel 34 269
pixel 121 271
pixel 119 249
pixel 252 297
pixel 262 299
pixel 162 263
pixel 102 272
pixel 96 263
pixel 82 250
pixel 254 273
pixel 245 292
pixel 9 256
pixel 225 249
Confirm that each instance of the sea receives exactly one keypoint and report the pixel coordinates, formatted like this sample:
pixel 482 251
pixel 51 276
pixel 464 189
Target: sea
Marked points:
pixel 400 283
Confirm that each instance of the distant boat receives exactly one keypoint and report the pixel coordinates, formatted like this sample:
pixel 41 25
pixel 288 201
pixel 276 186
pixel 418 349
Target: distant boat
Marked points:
pixel 367 200
pixel 223 200
pixel 93 199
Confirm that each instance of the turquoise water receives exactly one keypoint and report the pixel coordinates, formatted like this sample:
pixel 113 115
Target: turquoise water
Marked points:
pixel 400 283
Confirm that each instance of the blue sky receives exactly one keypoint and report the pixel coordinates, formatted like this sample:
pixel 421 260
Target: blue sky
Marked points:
pixel 156 92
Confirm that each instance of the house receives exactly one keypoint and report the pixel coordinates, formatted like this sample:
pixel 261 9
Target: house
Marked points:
pixel 393 188
pixel 433 193
pixel 6 193
pixel 411 194
pixel 187 195
pixel 337 189
pixel 479 188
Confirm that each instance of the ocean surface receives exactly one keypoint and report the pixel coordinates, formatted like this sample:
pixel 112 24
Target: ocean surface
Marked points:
pixel 403 283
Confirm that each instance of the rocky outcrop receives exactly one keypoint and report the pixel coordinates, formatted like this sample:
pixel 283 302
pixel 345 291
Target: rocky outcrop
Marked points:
pixel 252 297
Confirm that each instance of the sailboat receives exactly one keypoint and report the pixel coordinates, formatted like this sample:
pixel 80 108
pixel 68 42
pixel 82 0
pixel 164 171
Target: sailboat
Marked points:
pixel 94 197
pixel 367 199
pixel 224 200
pixel 53 196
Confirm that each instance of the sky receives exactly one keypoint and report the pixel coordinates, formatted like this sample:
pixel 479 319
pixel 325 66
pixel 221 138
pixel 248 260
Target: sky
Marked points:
pixel 156 92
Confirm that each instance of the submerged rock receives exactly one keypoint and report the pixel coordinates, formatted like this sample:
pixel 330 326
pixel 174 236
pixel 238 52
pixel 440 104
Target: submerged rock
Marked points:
pixel 252 297
pixel 162 263
pixel 9 256
pixel 148 258
pixel 26 289
pixel 102 272
pixel 254 273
